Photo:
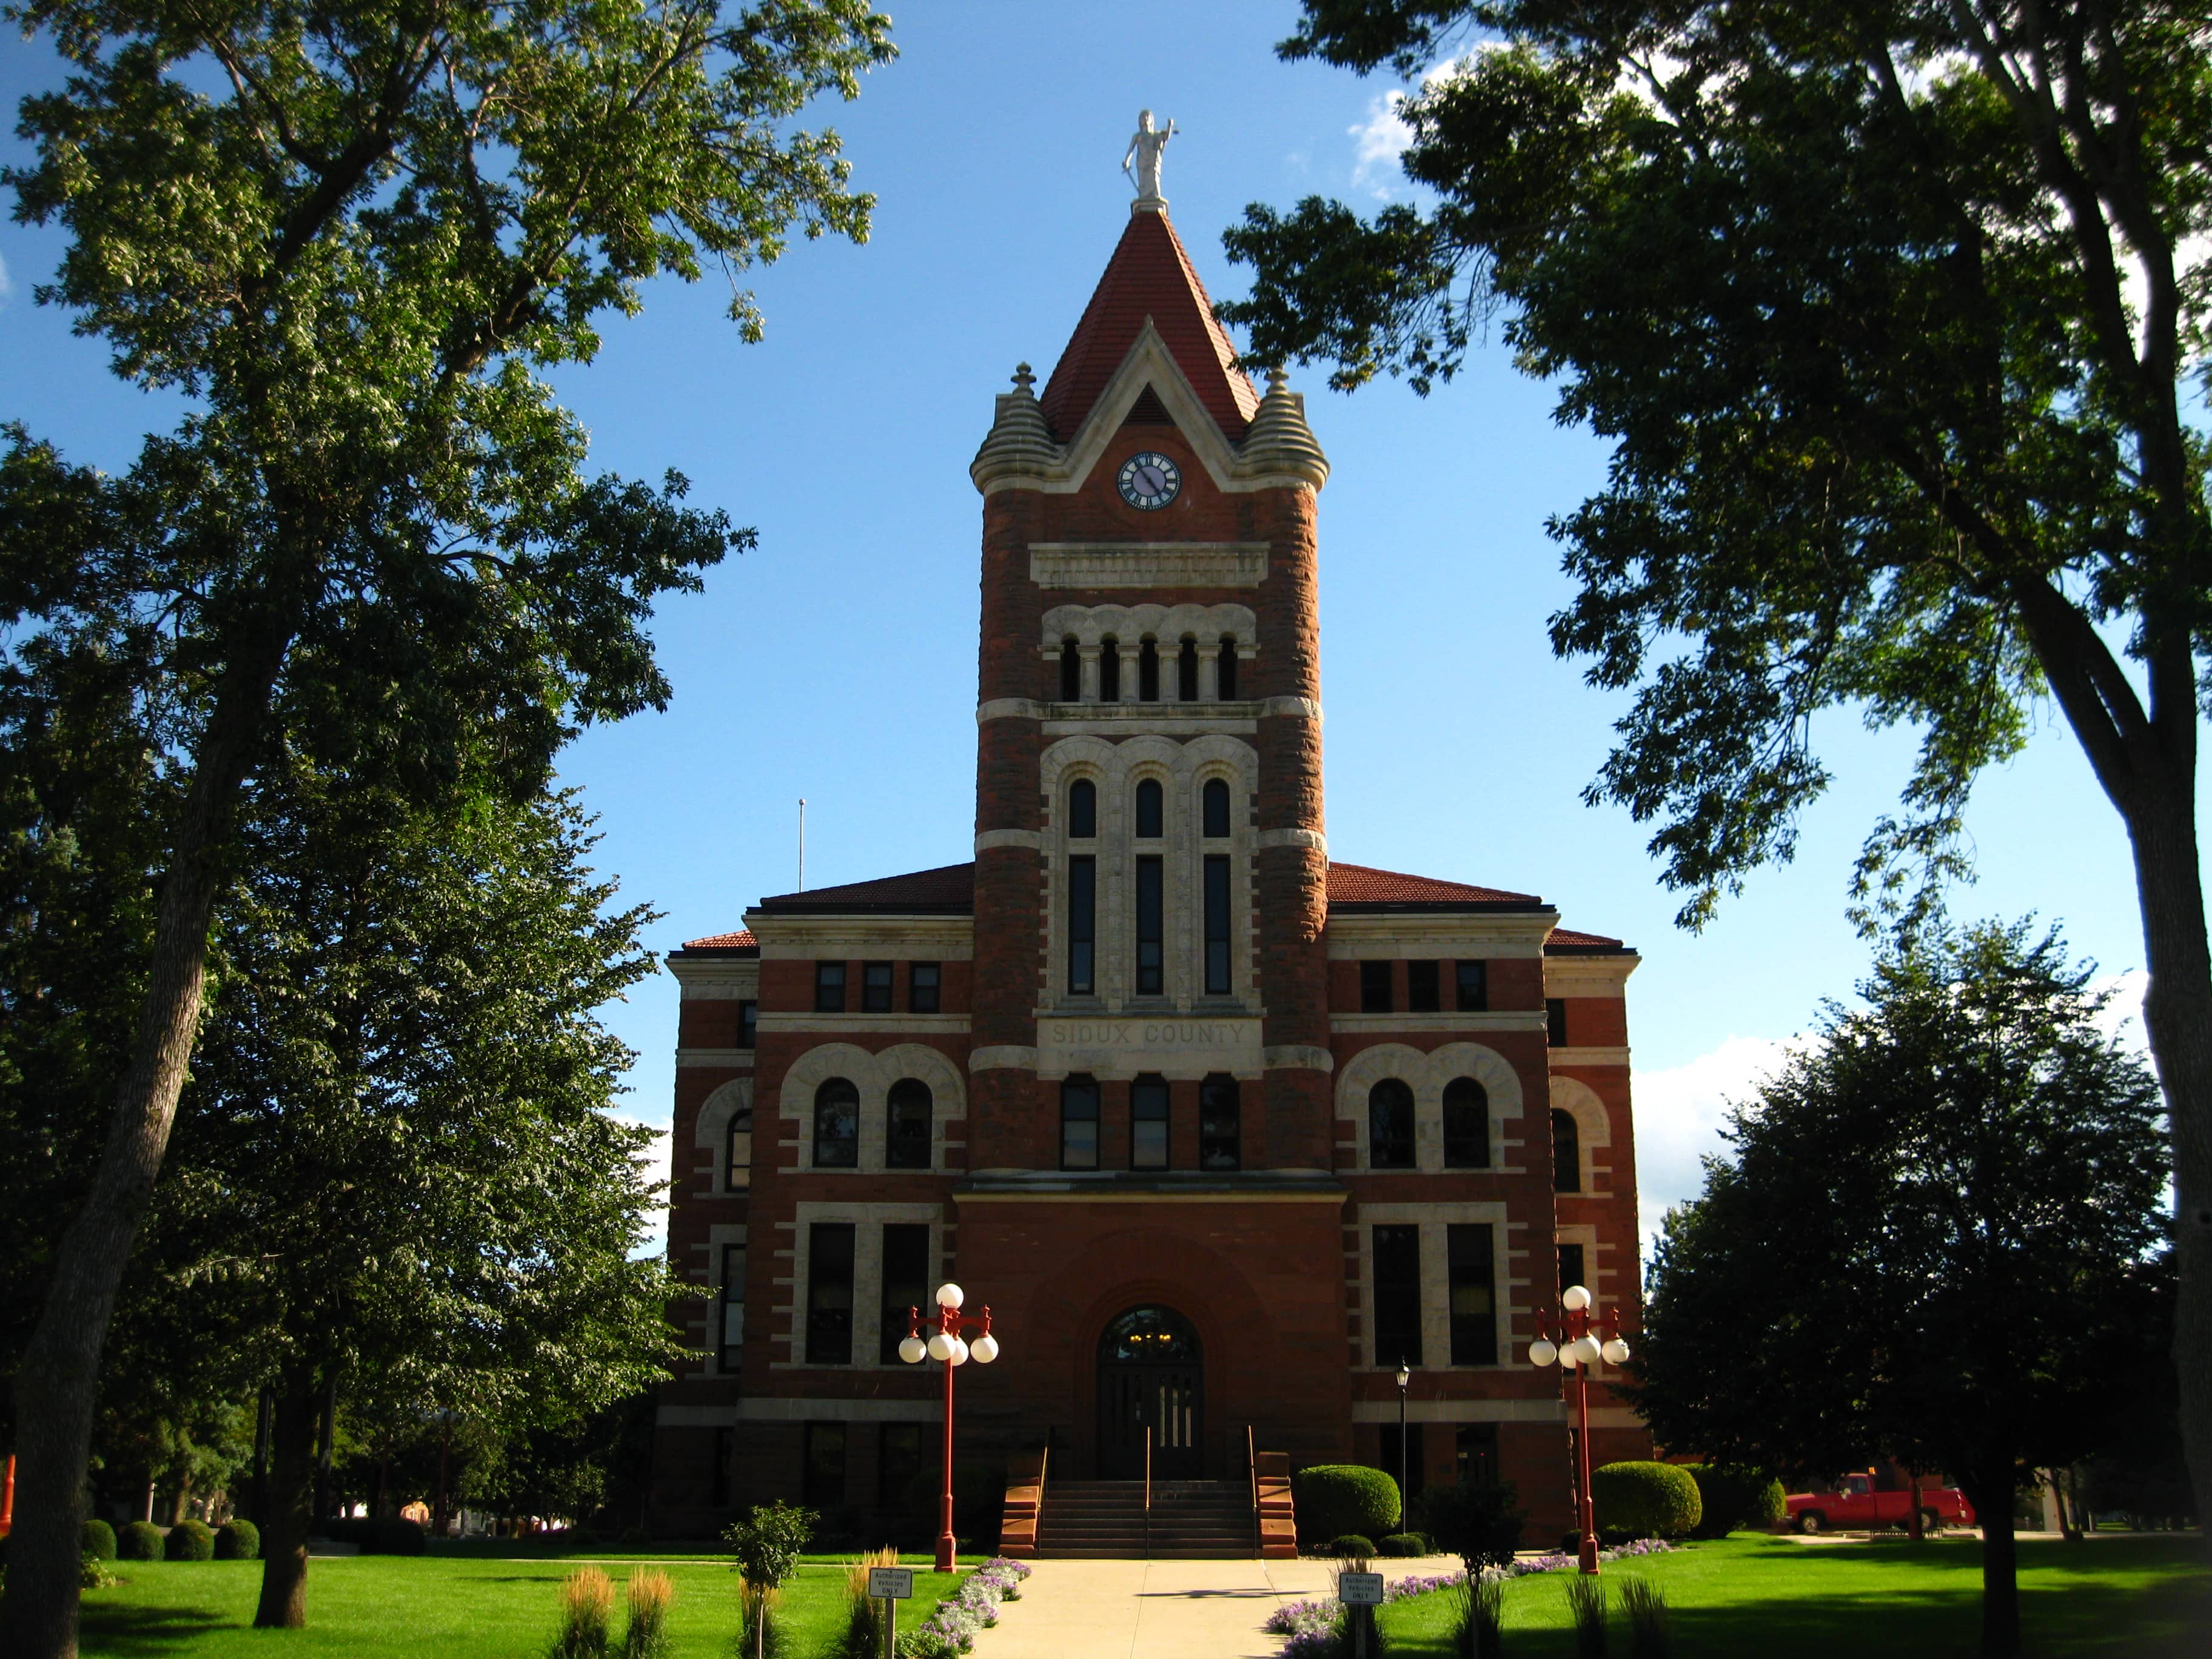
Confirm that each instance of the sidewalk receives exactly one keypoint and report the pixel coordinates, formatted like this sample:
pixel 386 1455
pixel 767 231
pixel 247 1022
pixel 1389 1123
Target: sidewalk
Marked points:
pixel 1162 1609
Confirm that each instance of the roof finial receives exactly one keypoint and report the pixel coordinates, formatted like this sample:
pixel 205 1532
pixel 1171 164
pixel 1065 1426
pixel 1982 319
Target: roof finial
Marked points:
pixel 1146 146
pixel 1023 380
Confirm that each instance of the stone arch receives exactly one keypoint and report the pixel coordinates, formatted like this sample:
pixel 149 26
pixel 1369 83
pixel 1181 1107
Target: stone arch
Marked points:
pixel 872 1075
pixel 1089 624
pixel 1426 1074
pixel 1593 1124
pixel 710 1130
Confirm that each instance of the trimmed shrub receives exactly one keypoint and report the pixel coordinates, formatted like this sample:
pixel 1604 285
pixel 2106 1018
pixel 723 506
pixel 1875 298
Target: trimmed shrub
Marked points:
pixel 1402 1543
pixel 1478 1523
pixel 1641 1499
pixel 98 1541
pixel 190 1540
pixel 237 1540
pixel 1351 1546
pixel 1333 1499
pixel 139 1541
pixel 376 1537
pixel 1735 1498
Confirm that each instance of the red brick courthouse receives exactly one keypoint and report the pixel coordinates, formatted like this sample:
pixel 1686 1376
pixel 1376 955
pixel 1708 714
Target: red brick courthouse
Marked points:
pixel 1222 1130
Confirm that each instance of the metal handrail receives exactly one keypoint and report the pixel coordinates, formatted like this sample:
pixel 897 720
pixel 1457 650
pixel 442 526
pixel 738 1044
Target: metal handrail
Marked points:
pixel 1252 1467
pixel 1148 1493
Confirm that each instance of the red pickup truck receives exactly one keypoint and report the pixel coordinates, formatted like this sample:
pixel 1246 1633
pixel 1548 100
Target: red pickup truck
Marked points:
pixel 1856 1503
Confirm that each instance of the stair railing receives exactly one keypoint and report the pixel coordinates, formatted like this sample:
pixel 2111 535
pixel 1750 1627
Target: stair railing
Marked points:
pixel 1148 1494
pixel 1252 1468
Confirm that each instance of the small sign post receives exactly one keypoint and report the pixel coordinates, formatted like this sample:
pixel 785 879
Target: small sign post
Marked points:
pixel 891 1585
pixel 1360 1590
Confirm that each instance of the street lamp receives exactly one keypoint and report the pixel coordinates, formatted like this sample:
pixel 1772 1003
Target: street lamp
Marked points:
pixel 1578 1340
pixel 945 1345
pixel 1404 1475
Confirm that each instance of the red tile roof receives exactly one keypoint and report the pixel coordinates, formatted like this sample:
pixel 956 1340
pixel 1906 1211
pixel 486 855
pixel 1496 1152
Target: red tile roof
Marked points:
pixel 1568 942
pixel 948 886
pixel 1149 275
pixel 740 940
pixel 1355 884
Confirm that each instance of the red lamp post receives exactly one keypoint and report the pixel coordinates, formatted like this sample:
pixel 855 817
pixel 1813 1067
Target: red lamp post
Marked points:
pixel 1578 1340
pixel 945 1345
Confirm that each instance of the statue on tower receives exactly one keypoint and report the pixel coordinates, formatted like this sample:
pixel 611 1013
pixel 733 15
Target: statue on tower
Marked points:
pixel 1145 146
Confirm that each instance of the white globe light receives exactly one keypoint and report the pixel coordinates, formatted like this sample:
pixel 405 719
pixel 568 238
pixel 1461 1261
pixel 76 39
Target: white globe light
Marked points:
pixel 1585 1352
pixel 959 1351
pixel 950 1295
pixel 914 1350
pixel 1615 1352
pixel 940 1346
pixel 1575 1299
pixel 985 1349
pixel 1542 1352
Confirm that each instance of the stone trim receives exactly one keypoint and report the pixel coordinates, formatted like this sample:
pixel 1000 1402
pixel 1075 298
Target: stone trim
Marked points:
pixel 1589 976
pixel 787 938
pixel 1297 1057
pixel 1008 708
pixel 1312 840
pixel 1093 566
pixel 714 979
pixel 1426 1075
pixel 1002 1057
pixel 868 1221
pixel 845 1025
pixel 1293 709
pixel 873 1075
pixel 1131 624
pixel 709 1132
pixel 1400 936
pixel 741 1059
pixel 1435 1279
pixel 1589 1056
pixel 1080 719
pixel 1509 1020
pixel 1594 1124
pixel 989 840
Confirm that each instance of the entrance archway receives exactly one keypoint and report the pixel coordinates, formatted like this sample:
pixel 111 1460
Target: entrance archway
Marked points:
pixel 1152 1385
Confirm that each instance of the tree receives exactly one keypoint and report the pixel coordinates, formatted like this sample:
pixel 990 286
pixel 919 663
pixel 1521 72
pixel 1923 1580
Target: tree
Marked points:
pixel 355 235
pixel 1886 306
pixel 766 1544
pixel 395 1178
pixel 1933 1241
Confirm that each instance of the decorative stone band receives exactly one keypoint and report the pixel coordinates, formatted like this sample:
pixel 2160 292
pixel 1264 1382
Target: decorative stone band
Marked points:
pixel 1282 1057
pixel 1290 709
pixel 1008 708
pixel 1002 1057
pixel 1096 565
pixel 1120 1046
pixel 989 840
pixel 1312 839
pixel 1297 1057
pixel 740 1058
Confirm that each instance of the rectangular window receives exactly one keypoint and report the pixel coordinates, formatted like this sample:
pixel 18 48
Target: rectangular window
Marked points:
pixel 734 1309
pixel 1110 670
pixel 1082 927
pixel 823 1486
pixel 1555 1021
pixel 1422 994
pixel 906 1282
pixel 1148 1123
pixel 1478 1454
pixel 1217 925
pixel 1473 986
pixel 875 988
pixel 898 1462
pixel 1570 1268
pixel 1220 1126
pixel 1078 1124
pixel 924 983
pixel 748 1025
pixel 1397 1296
pixel 830 1293
pixel 1152 965
pixel 829 987
pixel 1373 988
pixel 1474 1294
pixel 1225 670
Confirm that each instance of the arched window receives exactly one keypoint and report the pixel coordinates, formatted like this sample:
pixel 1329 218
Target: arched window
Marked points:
pixel 1071 670
pixel 1110 670
pixel 906 1134
pixel 1187 671
pixel 1082 809
pixel 1079 1123
pixel 1390 1126
pixel 1467 1125
pixel 738 1151
pixel 1225 674
pixel 1566 1153
pixel 1148 670
pixel 1150 811
pixel 836 1126
pixel 1213 809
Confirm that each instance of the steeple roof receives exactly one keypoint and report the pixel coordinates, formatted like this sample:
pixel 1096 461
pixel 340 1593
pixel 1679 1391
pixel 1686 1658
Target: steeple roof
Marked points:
pixel 1149 275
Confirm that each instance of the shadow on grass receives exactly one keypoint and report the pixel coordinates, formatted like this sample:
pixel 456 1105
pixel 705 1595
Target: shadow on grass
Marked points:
pixel 135 1630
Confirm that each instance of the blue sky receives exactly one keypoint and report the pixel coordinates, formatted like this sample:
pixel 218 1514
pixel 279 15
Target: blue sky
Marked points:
pixel 838 661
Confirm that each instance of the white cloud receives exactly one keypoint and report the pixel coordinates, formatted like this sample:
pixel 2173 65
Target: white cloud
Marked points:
pixel 654 1162
pixel 7 284
pixel 1384 136
pixel 1679 1111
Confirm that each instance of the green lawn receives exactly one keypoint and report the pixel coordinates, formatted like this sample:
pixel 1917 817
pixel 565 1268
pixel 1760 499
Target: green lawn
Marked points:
pixel 443 1606
pixel 1756 1597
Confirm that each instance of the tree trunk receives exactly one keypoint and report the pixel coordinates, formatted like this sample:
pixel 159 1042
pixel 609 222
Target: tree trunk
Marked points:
pixel 2177 1018
pixel 1991 1496
pixel 326 1431
pixel 59 1370
pixel 1913 1528
pixel 291 1482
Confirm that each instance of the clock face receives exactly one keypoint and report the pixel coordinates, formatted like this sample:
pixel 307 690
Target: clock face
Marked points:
pixel 1149 480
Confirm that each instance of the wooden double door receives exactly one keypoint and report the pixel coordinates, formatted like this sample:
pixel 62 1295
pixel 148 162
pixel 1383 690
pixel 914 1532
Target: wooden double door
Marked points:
pixel 1151 1386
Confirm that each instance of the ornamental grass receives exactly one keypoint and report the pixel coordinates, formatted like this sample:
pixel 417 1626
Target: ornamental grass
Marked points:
pixel 645 1636
pixel 587 1605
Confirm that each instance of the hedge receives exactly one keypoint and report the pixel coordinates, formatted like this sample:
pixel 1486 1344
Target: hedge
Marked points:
pixel 1349 1547
pixel 1736 1498
pixel 190 1540
pixel 376 1537
pixel 1645 1500
pixel 237 1540
pixel 139 1541
pixel 1402 1543
pixel 98 1541
pixel 1333 1499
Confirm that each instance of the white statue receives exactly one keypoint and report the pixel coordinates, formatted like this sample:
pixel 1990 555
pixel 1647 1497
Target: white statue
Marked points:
pixel 1145 145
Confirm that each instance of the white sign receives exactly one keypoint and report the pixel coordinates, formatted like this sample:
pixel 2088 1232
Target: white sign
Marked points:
pixel 896 1583
pixel 1359 1590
